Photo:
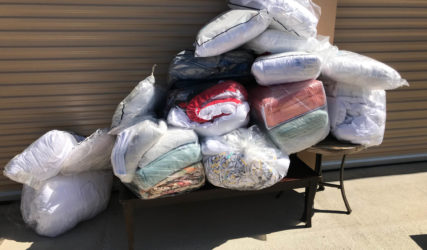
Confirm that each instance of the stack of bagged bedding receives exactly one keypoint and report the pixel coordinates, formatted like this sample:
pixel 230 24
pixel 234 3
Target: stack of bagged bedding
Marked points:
pixel 67 179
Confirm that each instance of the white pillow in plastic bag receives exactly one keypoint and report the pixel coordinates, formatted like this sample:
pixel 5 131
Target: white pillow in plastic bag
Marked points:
pixel 229 31
pixel 131 144
pixel 351 68
pixel 42 159
pixel 244 160
pixel 141 102
pixel 62 202
pixel 286 67
pixel 357 115
pixel 297 16
pixel 278 41
pixel 91 154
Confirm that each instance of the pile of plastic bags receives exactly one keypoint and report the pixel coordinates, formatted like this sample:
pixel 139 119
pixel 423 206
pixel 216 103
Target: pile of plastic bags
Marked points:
pixel 256 65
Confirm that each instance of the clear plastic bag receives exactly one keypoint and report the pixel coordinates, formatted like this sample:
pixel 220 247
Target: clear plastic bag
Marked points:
pixel 141 102
pixel 131 144
pixel 42 159
pixel 61 202
pixel 294 114
pixel 229 31
pixel 93 153
pixel 286 67
pixel 356 114
pixel 351 68
pixel 278 41
pixel 185 180
pixel 166 165
pixel 217 110
pixel 244 160
pixel 185 70
pixel 297 16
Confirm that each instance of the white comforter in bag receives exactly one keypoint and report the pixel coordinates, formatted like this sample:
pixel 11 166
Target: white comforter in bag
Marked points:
pixel 42 159
pixel 357 115
pixel 297 16
pixel 61 202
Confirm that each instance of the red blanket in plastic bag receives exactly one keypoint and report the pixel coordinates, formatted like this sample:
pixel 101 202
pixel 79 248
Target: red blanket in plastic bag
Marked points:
pixel 280 103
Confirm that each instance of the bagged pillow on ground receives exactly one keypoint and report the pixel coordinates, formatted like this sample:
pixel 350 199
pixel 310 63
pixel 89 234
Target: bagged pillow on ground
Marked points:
pixel 244 160
pixel 186 70
pixel 351 68
pixel 93 153
pixel 356 114
pixel 131 144
pixel 141 102
pixel 62 202
pixel 42 159
pixel 278 41
pixel 229 31
pixel 294 114
pixel 286 67
pixel 297 16
pixel 215 111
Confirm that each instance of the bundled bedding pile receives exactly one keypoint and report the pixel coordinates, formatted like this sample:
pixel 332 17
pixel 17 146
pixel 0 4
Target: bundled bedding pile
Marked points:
pixel 294 115
pixel 243 160
pixel 262 56
pixel 170 166
pixel 66 179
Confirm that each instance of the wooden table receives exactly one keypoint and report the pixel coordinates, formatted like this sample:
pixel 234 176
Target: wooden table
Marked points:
pixel 299 176
pixel 331 146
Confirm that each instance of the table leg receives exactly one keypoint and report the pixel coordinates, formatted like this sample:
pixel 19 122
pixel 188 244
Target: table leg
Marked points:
pixel 318 169
pixel 128 213
pixel 309 203
pixel 347 205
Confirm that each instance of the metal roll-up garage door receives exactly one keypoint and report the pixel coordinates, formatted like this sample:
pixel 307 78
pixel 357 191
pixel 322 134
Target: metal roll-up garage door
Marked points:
pixel 395 32
pixel 66 64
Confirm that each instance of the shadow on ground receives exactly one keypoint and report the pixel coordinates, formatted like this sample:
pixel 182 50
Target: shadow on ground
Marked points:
pixel 201 225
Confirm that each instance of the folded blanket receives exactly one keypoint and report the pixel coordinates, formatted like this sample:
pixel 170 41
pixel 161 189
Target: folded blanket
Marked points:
pixel 215 111
pixel 302 132
pixel 173 138
pixel 186 70
pixel 357 115
pixel 244 160
pixel 184 180
pixel 131 144
pixel 167 164
pixel 280 103
pixel 286 67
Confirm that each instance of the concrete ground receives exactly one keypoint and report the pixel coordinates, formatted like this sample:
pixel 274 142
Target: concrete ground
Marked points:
pixel 389 212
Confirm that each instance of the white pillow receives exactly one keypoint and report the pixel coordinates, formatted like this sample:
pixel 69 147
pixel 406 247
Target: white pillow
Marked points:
pixel 277 41
pixel 62 202
pixel 351 68
pixel 286 67
pixel 229 31
pixel 297 16
pixel 42 159
pixel 91 154
pixel 139 103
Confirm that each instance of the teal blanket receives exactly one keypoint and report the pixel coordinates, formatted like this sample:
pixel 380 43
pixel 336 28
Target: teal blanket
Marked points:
pixel 167 164
pixel 302 132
